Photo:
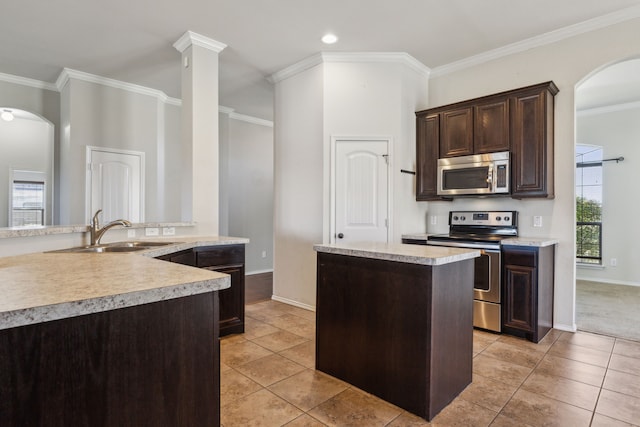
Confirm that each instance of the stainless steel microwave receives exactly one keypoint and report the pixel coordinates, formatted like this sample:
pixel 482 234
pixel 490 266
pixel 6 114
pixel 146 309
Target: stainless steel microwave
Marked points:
pixel 471 175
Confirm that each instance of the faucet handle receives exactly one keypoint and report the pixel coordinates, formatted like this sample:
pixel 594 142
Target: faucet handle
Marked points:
pixel 95 221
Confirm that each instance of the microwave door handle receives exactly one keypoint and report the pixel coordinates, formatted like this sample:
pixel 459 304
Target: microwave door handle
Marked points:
pixel 490 178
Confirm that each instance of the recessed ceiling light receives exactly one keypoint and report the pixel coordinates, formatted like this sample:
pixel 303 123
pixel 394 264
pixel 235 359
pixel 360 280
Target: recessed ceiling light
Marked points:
pixel 7 115
pixel 329 39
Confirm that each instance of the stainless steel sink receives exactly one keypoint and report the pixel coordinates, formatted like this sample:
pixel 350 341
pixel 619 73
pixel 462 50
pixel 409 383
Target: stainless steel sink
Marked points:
pixel 114 247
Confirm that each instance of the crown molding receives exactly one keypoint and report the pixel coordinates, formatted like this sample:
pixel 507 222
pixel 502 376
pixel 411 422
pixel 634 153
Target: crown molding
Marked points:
pixel 243 117
pixel 190 38
pixel 251 119
pixel 608 109
pixel 541 40
pixel 68 73
pixel 296 68
pixel 322 57
pixel 24 81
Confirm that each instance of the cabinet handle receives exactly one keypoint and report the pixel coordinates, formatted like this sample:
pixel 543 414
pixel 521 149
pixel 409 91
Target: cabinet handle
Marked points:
pixel 340 235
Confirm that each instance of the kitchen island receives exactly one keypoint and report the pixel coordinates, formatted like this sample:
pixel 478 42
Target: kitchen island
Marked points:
pixel 108 340
pixel 396 321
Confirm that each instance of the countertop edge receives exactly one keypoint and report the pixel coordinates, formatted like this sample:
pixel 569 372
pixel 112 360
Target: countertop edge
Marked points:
pixel 392 255
pixel 41 314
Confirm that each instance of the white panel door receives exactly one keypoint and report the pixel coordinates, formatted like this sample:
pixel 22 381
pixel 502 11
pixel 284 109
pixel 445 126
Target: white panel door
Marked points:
pixel 361 191
pixel 116 184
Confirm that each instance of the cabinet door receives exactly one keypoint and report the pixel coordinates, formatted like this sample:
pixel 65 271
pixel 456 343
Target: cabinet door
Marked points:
pixel 491 126
pixel 456 132
pixel 228 259
pixel 231 300
pixel 427 140
pixel 532 143
pixel 520 289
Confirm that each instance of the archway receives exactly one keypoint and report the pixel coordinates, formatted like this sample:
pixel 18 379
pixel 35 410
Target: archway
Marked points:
pixel 26 169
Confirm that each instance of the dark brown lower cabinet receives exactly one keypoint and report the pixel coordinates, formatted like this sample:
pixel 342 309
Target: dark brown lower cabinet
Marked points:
pixel 403 332
pixel 228 259
pixel 527 307
pixel 150 365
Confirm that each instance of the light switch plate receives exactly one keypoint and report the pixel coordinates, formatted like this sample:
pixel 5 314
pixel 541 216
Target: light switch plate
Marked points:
pixel 131 233
pixel 434 220
pixel 168 231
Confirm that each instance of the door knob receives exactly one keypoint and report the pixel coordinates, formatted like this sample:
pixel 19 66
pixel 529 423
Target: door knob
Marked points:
pixel 340 235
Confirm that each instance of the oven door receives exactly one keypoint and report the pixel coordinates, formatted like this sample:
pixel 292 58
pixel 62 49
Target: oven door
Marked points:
pixel 486 284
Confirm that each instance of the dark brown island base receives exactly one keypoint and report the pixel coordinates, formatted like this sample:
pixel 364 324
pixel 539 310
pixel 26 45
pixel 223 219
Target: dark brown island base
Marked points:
pixel 397 321
pixel 108 340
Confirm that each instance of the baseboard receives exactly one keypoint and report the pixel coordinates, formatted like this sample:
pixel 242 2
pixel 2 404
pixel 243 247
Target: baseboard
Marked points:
pixel 292 302
pixel 608 281
pixel 251 273
pixel 566 328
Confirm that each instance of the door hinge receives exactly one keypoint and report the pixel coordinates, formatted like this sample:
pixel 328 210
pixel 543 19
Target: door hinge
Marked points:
pixel 386 158
pixel 386 222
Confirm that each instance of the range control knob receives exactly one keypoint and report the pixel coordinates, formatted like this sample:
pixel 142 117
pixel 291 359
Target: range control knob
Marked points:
pixel 498 218
pixel 455 218
pixel 506 218
pixel 463 218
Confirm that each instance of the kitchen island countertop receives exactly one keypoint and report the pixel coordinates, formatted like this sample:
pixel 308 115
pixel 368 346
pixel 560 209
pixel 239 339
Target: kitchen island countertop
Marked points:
pixel 413 254
pixel 42 287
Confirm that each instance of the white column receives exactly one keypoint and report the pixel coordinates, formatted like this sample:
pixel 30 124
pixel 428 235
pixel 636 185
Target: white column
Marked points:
pixel 200 130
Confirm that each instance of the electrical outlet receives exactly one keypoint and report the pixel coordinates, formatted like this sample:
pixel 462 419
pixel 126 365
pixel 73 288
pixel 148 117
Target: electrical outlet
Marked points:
pixel 434 220
pixel 152 231
pixel 613 262
pixel 169 231
pixel 264 254
pixel 537 221
pixel 131 233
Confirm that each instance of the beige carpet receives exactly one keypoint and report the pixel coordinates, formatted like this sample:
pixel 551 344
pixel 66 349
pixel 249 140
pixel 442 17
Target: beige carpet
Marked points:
pixel 608 309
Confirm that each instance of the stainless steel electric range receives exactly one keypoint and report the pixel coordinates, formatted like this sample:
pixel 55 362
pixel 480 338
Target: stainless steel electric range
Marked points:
pixel 483 230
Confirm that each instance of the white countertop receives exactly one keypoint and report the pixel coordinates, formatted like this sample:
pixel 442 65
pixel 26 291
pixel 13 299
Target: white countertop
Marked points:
pixel 516 241
pixel 413 254
pixel 530 241
pixel 49 286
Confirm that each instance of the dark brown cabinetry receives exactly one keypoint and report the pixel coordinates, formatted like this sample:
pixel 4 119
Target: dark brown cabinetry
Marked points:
pixel 456 137
pixel 228 259
pixel 428 130
pixel 155 364
pixel 401 331
pixel 527 307
pixel 491 126
pixel 519 121
pixel 532 142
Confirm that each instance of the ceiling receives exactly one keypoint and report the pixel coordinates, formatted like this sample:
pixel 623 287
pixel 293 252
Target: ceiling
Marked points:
pixel 132 41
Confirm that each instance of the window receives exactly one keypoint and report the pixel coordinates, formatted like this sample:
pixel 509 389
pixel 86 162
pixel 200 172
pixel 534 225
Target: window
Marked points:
pixel 27 199
pixel 588 204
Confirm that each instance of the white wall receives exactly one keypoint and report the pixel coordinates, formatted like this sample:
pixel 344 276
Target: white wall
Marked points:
pixel 103 116
pixel 246 190
pixel 337 99
pixel 567 63
pixel 618 132
pixel 298 185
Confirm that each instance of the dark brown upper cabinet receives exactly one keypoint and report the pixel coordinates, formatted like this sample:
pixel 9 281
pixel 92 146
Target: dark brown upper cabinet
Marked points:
pixel 456 133
pixel 532 142
pixel 519 121
pixel 491 126
pixel 428 131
